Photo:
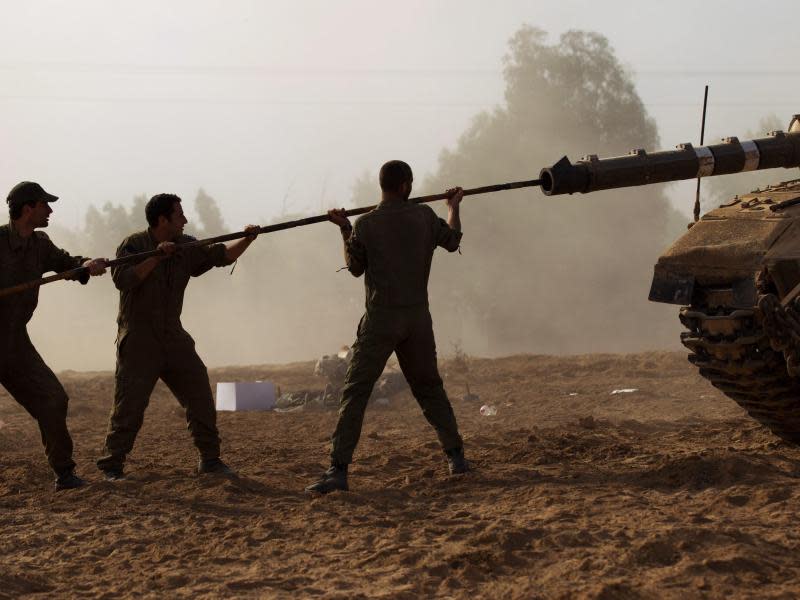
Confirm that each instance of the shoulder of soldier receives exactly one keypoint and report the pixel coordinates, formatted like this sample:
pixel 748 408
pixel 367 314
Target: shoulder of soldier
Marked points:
pixel 134 242
pixel 139 236
pixel 364 219
pixel 43 238
pixel 428 211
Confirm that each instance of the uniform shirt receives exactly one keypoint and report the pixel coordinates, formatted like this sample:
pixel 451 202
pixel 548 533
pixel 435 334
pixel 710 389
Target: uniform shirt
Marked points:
pixel 23 260
pixel 393 245
pixel 154 304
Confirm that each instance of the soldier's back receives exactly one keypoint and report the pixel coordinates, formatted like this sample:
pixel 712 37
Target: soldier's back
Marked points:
pixel 399 239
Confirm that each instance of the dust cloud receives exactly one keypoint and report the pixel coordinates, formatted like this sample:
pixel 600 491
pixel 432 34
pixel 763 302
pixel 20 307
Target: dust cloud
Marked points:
pixel 535 274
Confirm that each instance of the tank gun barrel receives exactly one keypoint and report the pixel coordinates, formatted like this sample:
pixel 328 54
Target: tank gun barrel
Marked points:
pixel 592 174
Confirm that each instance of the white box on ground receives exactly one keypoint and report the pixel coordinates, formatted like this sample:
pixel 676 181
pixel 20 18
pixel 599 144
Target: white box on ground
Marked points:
pixel 246 395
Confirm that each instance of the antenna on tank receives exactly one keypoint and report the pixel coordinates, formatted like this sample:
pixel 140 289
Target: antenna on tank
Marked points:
pixel 702 138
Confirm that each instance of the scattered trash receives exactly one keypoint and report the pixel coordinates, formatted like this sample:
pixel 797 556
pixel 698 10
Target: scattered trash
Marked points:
pixel 245 395
pixel 625 391
pixel 487 410
pixel 292 401
pixel 289 409
pixel 333 368
pixel 391 382
pixel 572 394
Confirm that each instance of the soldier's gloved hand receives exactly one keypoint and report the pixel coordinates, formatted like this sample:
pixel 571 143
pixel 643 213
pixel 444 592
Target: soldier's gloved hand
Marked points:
pixel 167 248
pixel 95 266
pixel 253 231
pixel 338 217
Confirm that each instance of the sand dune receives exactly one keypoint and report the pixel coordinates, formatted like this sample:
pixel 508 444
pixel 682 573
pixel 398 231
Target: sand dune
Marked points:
pixel 666 492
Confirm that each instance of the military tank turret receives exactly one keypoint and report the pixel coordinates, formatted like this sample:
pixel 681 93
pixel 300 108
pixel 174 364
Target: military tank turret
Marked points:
pixel 735 273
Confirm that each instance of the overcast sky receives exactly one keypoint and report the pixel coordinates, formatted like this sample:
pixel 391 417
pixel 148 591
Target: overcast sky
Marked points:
pixel 275 106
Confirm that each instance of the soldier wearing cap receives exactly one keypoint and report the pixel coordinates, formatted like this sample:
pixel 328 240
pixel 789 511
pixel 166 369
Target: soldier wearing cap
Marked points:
pixel 25 254
pixel 393 247
pixel 151 341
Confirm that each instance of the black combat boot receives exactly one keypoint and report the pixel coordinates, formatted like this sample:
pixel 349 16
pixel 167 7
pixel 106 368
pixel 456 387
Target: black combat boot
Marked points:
pixel 335 478
pixel 215 466
pixel 68 481
pixel 456 462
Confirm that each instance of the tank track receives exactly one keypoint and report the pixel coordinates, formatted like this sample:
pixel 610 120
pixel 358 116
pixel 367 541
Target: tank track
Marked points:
pixel 732 350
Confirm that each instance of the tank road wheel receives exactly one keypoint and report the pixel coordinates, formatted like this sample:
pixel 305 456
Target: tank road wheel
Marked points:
pixel 732 351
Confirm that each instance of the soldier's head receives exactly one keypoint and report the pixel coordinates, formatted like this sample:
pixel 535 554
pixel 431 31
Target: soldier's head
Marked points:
pixel 28 203
pixel 396 179
pixel 165 215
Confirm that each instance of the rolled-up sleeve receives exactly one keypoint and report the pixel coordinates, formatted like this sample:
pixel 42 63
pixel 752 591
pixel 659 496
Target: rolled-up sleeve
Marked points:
pixel 124 276
pixel 445 236
pixel 205 258
pixel 59 260
pixel 355 253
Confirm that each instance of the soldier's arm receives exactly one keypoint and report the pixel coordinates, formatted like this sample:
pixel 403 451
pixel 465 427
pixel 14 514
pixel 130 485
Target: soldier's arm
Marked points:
pixel 444 235
pixel 128 276
pixel 144 268
pixel 447 237
pixel 58 260
pixel 235 249
pixel 204 258
pixel 448 234
pixel 355 253
pixel 454 218
pixel 456 195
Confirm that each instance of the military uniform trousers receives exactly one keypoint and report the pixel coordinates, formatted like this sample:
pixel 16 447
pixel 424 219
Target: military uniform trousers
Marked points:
pixel 409 333
pixel 34 385
pixel 143 359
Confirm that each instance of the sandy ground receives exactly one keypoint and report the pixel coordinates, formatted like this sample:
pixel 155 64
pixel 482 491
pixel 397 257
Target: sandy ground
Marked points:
pixel 666 492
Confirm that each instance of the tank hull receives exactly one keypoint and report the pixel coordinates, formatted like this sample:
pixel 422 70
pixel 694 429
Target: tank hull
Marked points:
pixel 735 273
pixel 722 271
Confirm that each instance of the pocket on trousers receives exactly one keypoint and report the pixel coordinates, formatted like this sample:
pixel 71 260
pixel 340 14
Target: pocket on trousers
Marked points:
pixel 362 324
pixel 122 338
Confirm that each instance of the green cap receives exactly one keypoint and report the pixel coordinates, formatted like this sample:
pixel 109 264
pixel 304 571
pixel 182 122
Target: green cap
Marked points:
pixel 26 192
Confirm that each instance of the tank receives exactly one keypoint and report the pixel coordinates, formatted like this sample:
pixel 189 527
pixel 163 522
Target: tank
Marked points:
pixel 735 273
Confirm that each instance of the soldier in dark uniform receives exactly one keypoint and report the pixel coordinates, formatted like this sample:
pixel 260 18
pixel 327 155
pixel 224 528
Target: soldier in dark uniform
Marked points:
pixel 393 246
pixel 152 343
pixel 25 254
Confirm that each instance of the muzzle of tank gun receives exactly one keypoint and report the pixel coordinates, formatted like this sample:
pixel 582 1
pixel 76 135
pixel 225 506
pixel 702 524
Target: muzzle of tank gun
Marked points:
pixel 592 174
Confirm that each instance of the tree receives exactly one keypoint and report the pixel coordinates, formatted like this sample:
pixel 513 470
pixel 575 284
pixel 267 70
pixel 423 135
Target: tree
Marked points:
pixel 211 221
pixel 567 274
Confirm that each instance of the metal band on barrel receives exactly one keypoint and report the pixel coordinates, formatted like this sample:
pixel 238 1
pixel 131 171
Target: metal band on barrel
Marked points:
pixel 705 161
pixel 751 155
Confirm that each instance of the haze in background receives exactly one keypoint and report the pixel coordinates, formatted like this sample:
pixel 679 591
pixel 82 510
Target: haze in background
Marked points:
pixel 278 109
